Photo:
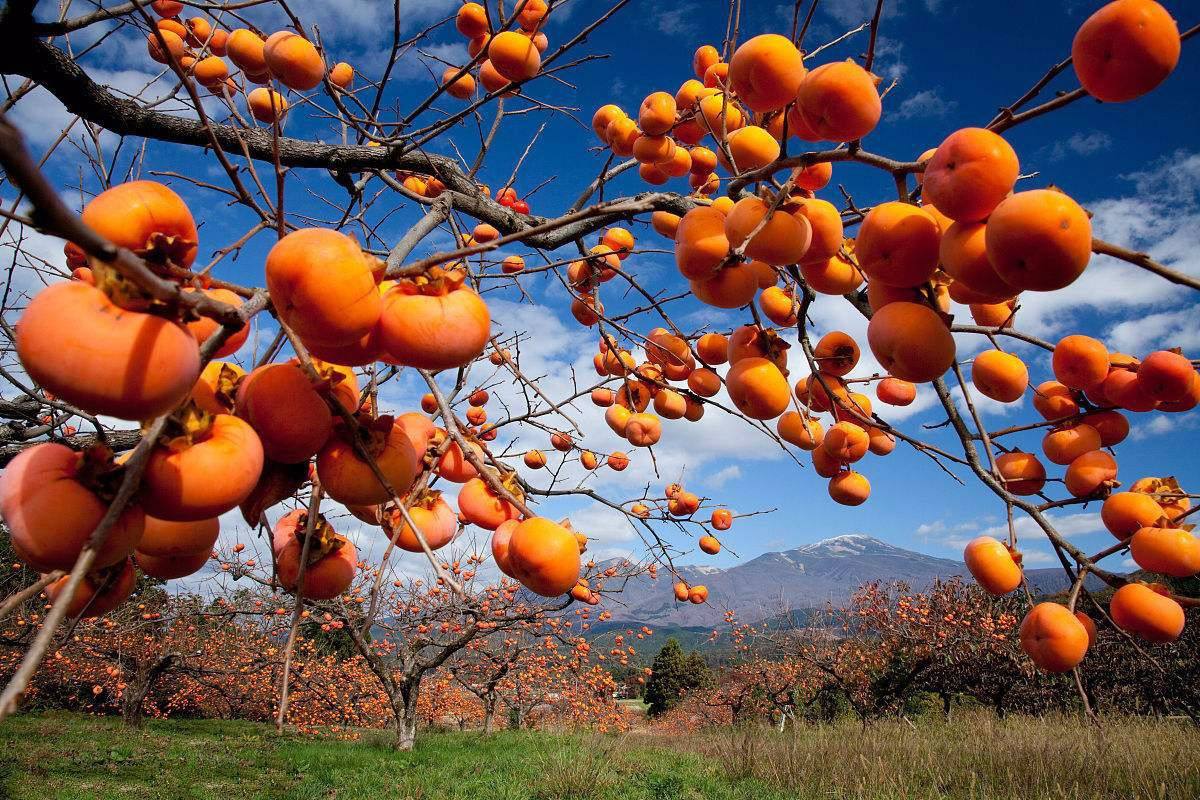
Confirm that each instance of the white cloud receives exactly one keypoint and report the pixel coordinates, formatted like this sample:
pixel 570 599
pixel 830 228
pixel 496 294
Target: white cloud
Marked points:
pixel 926 104
pixel 1154 331
pixel 675 22
pixel 723 476
pixel 955 536
pixel 1069 525
pixel 1160 424
pixel 1081 144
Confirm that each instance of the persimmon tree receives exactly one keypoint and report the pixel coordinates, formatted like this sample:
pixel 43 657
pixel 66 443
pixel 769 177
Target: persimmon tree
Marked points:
pixel 129 324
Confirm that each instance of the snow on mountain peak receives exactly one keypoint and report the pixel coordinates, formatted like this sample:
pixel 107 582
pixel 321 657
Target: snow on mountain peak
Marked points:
pixel 848 544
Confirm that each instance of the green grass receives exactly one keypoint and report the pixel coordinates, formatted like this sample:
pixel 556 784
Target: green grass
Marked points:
pixel 973 757
pixel 86 758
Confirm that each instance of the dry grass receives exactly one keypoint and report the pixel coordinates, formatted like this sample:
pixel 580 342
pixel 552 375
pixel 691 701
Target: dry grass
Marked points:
pixel 974 755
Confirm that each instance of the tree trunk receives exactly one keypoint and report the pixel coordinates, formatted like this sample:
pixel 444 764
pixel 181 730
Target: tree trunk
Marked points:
pixel 131 705
pixel 406 720
pixel 138 685
pixel 946 704
pixel 489 713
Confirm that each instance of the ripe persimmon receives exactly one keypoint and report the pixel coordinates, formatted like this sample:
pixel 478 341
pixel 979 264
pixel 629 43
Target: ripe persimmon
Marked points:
pixel 806 433
pixel 846 442
pixel 835 275
pixel 618 461
pixel 164 538
pixel 1054 401
pixel 294 61
pixel 1090 474
pixel 779 306
pixel 167 568
pixel 731 286
pixel 544 556
pixel 765 72
pixel 203 473
pixel 750 147
pixel 1125 50
pixel 814 177
pixel 1170 551
pixel 971 171
pixel 432 516
pixel 1021 473
pixel 246 49
pixel 501 539
pixel 323 287
pixel 849 488
pixel 911 341
pixel 999 375
pixel 434 325
pixel 836 353
pixel 483 506
pixel 1166 375
pixel 341 75
pixel 461 87
pixel 896 392
pixel 146 217
pixel 1065 443
pixel 781 239
pixel 290 418
pixel 48 501
pixel 1053 637
pixel 839 101
pixel 963 255
pixel 757 388
pixel 898 245
pixel 348 478
pixel 713 349
pixel 656 116
pixel 1080 362
pixel 77 344
pixel 700 243
pixel 825 222
pixel 1039 240
pixel 100 591
pixel 333 558
pixel 1139 609
pixel 514 56
pixel 1112 426
pixel 992 565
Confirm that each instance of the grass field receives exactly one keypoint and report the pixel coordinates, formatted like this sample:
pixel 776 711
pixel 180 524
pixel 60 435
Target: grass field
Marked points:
pixel 86 758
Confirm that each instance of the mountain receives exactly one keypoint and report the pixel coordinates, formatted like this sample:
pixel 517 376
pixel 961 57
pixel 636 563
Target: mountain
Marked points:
pixel 811 576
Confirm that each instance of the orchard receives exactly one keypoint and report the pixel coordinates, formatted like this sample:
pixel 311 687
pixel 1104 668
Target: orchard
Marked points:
pixel 276 344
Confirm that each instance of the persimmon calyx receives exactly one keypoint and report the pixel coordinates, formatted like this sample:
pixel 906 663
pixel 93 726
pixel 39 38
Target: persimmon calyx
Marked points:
pixel 436 281
pixel 325 539
pixel 185 427
pixel 99 471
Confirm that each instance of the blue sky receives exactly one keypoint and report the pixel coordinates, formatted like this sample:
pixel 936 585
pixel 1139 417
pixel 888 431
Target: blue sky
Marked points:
pixel 1135 165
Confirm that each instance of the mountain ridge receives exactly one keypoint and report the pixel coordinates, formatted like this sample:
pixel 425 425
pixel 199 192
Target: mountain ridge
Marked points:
pixel 808 576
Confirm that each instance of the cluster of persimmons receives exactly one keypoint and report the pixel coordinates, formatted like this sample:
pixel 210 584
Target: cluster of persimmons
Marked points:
pixel 124 357
pixel 972 238
pixel 199 48
pixel 105 345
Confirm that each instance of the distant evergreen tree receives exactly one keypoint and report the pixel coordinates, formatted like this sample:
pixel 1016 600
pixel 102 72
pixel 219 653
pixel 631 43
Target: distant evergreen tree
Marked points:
pixel 699 675
pixel 672 675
